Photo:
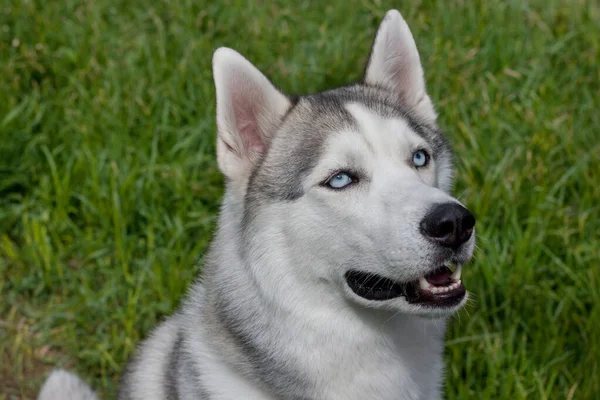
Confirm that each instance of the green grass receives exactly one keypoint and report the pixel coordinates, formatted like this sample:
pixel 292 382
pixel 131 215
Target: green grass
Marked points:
pixel 109 189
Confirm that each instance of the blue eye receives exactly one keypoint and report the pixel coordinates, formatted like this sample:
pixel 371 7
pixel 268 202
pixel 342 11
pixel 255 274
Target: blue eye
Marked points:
pixel 339 180
pixel 420 158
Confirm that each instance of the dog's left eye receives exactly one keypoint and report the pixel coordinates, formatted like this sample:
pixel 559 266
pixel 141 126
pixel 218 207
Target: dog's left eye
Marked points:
pixel 420 158
pixel 339 180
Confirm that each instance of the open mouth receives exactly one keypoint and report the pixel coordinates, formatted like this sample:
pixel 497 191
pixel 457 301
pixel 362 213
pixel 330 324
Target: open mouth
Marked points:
pixel 439 288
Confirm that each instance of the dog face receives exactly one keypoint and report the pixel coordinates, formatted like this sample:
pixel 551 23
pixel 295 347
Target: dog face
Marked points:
pixel 346 191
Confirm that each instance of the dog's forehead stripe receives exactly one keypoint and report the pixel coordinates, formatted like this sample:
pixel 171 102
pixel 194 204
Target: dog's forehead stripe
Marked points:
pixel 384 104
pixel 384 135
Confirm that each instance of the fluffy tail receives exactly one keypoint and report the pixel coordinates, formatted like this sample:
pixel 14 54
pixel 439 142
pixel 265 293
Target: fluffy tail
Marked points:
pixel 62 385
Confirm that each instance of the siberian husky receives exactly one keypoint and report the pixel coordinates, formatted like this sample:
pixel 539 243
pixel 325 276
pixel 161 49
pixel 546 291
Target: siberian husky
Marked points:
pixel 329 276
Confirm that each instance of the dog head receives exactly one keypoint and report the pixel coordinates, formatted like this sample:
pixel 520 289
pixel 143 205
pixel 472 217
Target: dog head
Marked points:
pixel 346 190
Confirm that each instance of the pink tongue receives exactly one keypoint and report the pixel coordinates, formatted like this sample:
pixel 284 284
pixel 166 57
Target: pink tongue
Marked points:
pixel 439 277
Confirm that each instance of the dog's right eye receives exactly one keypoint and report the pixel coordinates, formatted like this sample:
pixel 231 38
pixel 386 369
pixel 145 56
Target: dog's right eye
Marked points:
pixel 340 180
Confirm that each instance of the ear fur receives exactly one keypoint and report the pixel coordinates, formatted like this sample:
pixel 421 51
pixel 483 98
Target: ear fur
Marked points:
pixel 394 64
pixel 249 110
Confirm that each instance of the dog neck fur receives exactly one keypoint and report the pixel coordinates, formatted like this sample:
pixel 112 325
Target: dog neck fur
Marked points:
pixel 345 351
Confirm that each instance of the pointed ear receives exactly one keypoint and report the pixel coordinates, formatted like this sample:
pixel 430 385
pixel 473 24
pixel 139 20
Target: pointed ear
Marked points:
pixel 249 110
pixel 394 64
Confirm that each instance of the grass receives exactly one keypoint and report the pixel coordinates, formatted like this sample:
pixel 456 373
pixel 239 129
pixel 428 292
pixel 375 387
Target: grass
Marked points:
pixel 109 188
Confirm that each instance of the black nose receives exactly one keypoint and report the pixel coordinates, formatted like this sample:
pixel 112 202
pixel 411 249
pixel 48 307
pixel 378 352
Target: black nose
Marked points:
pixel 448 224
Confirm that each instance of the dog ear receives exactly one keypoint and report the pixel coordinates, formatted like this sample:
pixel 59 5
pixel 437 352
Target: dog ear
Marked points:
pixel 249 109
pixel 394 64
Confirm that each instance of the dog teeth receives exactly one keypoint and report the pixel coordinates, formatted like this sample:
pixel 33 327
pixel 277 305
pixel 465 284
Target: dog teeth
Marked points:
pixel 423 284
pixel 456 273
pixel 427 287
pixel 444 289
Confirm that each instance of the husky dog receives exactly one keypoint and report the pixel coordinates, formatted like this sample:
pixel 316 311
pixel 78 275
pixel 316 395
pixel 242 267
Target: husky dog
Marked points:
pixel 329 274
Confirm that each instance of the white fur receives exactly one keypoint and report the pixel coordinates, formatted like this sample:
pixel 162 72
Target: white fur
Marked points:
pixel 147 383
pixel 62 385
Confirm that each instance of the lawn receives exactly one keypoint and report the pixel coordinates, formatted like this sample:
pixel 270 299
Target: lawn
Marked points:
pixel 109 189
